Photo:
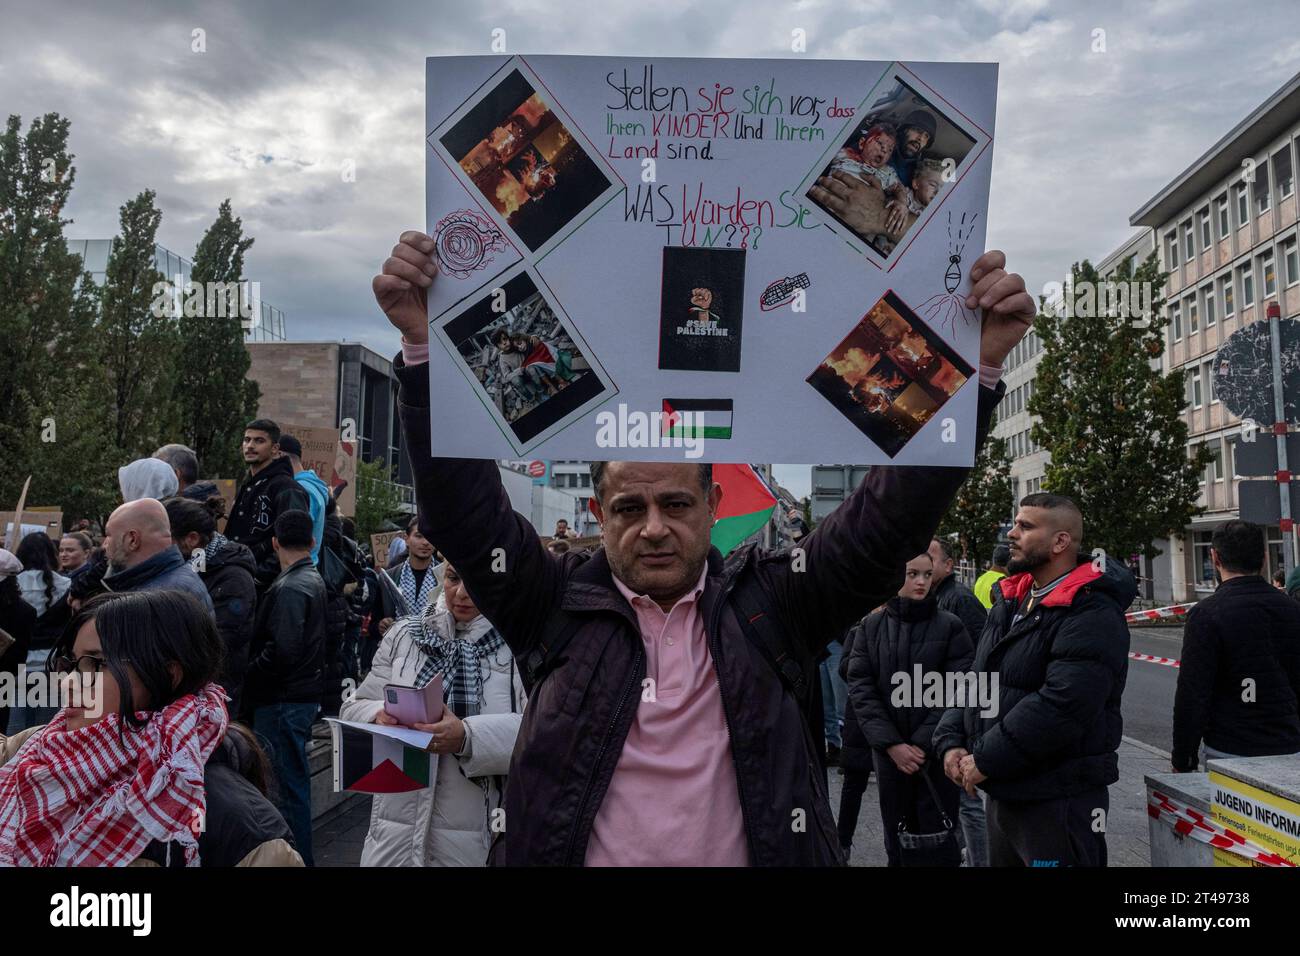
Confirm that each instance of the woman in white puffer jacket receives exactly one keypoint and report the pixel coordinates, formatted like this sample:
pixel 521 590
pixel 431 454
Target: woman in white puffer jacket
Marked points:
pixel 450 822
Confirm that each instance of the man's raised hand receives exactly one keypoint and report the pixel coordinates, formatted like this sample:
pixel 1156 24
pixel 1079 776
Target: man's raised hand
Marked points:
pixel 402 286
pixel 1008 309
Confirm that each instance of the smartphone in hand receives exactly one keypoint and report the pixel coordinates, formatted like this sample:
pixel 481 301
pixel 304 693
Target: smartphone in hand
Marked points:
pixel 414 705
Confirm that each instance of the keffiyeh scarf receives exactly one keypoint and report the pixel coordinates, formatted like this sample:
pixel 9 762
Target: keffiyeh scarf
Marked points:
pixel 90 797
pixel 417 600
pixel 461 653
pixel 218 542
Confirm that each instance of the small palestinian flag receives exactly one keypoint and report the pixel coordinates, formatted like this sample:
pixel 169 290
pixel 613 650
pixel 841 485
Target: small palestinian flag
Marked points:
pixel 746 505
pixel 709 418
pixel 373 758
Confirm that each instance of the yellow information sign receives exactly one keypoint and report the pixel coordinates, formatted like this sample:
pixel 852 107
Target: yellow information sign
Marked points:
pixel 1270 822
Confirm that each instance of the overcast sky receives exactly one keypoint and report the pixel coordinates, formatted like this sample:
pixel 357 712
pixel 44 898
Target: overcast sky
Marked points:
pixel 286 93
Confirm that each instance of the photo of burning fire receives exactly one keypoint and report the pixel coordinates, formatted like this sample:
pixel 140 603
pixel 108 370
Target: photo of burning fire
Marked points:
pixel 518 153
pixel 890 374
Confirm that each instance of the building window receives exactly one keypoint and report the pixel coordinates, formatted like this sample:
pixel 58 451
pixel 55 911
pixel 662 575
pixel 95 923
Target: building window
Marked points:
pixel 1216 462
pixel 1224 224
pixel 1292 263
pixel 1209 306
pixel 1231 453
pixel 1171 249
pixel 1187 242
pixel 1208 376
pixel 1270 276
pixel 1196 387
pixel 1243 206
pixel 1247 287
pixel 1203 567
pixel 1205 229
pixel 1226 285
pixel 1175 322
pixel 1282 170
pixel 1262 195
pixel 1193 317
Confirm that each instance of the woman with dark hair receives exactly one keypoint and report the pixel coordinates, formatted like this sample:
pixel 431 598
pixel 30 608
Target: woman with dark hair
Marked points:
pixel 140 767
pixel 45 590
pixel 43 587
pixel 17 620
pixel 228 571
pixel 447 823
pixel 75 548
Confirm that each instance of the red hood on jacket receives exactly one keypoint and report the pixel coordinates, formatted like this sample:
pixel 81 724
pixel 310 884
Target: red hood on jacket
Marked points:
pixel 1015 587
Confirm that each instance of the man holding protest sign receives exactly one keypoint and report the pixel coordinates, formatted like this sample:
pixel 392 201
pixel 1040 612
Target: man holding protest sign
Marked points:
pixel 667 686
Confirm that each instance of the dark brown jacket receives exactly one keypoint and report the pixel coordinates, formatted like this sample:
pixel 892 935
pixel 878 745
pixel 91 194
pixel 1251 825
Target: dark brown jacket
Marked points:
pixel 579 646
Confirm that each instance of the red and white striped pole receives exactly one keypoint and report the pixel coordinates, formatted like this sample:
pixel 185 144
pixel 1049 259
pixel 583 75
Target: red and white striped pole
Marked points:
pixel 1279 435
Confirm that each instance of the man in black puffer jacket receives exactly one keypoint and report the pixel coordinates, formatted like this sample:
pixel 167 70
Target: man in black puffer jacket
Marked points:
pixel 895 654
pixel 267 492
pixel 1246 631
pixel 1057 644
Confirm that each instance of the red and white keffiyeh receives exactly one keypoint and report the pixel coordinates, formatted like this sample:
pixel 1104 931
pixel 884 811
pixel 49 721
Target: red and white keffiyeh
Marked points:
pixel 87 798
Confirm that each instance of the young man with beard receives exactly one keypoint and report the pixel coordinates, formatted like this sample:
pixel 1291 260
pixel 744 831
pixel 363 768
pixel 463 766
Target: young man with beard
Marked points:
pixel 1057 645
pixel 667 685
pixel 268 491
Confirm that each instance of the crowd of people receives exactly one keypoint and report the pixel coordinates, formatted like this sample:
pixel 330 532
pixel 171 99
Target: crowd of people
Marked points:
pixel 645 702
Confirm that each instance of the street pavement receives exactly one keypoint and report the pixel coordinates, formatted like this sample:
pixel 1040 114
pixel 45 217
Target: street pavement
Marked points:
pixel 1148 704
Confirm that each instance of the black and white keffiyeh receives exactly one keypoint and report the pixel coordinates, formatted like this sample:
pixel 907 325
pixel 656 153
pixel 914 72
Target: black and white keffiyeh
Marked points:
pixel 460 652
pixel 417 599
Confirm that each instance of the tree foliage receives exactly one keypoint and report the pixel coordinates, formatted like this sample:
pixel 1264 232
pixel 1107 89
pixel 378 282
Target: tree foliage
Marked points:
pixel 983 503
pixel 1112 420
pixel 213 396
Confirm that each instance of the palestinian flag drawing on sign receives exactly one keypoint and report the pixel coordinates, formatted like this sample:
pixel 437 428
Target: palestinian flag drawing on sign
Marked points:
pixel 746 505
pixel 373 758
pixel 709 418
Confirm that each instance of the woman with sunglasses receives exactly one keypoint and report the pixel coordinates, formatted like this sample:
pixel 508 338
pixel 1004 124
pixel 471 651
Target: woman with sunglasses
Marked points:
pixel 141 766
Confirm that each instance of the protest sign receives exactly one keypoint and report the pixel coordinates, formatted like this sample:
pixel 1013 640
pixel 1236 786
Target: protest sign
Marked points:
pixel 719 260
pixel 333 460
pixel 379 544
pixel 47 520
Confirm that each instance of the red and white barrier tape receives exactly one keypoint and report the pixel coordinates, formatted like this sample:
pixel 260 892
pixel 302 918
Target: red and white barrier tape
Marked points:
pixel 1187 821
pixel 1152 659
pixel 1160 613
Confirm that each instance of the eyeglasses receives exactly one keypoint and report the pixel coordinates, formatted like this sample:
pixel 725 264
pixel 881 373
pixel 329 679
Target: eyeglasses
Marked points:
pixel 86 664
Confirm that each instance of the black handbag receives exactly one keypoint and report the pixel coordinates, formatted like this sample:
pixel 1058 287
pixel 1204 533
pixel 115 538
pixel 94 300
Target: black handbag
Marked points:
pixel 929 849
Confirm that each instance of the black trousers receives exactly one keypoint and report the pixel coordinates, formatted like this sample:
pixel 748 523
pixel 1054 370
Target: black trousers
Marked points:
pixel 1069 831
pixel 904 798
pixel 855 785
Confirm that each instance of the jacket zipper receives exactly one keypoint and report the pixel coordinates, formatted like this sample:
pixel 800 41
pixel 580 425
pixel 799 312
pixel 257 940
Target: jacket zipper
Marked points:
pixel 715 643
pixel 604 745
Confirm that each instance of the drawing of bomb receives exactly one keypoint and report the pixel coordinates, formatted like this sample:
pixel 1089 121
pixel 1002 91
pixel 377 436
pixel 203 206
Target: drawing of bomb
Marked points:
pixel 945 308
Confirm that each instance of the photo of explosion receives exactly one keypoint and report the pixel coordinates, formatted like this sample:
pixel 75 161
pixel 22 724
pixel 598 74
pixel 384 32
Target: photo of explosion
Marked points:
pixel 890 374
pixel 518 153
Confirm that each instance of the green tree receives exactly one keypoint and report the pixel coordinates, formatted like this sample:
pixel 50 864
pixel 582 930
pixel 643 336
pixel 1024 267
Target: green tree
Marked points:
pixel 983 503
pixel 1112 422
pixel 213 396
pixel 51 386
pixel 139 341
pixel 378 499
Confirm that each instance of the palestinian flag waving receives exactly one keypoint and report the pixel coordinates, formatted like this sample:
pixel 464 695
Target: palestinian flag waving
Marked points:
pixel 746 505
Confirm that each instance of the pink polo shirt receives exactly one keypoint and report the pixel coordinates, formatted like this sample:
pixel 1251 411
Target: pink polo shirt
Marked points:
pixel 673 799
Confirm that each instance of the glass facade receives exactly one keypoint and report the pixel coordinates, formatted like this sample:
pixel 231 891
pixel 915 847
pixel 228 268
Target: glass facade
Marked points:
pixel 268 326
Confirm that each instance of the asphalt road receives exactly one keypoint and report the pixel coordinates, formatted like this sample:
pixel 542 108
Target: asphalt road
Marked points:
pixel 1149 693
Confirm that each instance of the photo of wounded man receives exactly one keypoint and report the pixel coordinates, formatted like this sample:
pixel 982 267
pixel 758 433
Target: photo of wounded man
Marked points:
pixel 523 358
pixel 891 168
